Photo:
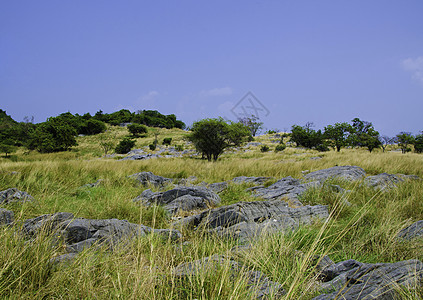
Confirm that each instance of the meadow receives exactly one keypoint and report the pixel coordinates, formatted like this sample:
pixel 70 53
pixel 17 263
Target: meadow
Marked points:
pixel 365 231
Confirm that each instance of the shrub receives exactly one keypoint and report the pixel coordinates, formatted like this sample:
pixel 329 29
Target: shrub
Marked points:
pixel 418 143
pixel 124 146
pixel 280 147
pixel 264 148
pixel 152 147
pixel 92 127
pixel 137 129
pixel 179 148
pixel 167 141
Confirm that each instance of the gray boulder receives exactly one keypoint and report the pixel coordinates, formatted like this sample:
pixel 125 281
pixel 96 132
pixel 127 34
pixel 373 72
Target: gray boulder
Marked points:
pixel 244 220
pixel 148 178
pixel 14 195
pixel 413 231
pixel 78 234
pixel 260 285
pixel 94 184
pixel 141 156
pixel 251 180
pixel 355 280
pixel 385 181
pixel 343 172
pixel 6 216
pixel 181 198
pixel 217 187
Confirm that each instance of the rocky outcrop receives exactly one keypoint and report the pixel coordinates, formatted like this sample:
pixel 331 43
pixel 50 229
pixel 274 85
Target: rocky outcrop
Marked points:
pixel 250 180
pixel 413 231
pixel 14 195
pixel 148 178
pixel 385 181
pixel 286 188
pixel 260 285
pixel 244 220
pixel 78 234
pixel 6 216
pixel 141 156
pixel 94 184
pixel 355 280
pixel 181 198
pixel 349 173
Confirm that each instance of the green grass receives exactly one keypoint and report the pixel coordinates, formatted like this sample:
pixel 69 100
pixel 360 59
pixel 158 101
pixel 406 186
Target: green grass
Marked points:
pixel 364 230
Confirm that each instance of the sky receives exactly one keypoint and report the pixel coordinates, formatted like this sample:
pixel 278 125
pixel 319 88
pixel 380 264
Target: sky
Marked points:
pixel 287 62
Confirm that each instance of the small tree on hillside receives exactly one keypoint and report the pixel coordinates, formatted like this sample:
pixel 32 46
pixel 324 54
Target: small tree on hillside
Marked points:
pixel 212 136
pixel 125 145
pixel 338 135
pixel 307 137
pixel 7 148
pixel 253 123
pixel 418 143
pixel 404 139
pixel 385 141
pixel 137 129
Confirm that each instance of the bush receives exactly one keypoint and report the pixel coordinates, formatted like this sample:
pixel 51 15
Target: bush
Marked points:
pixel 322 148
pixel 124 146
pixel 264 148
pixel 179 148
pixel 92 127
pixel 152 147
pixel 167 141
pixel 280 147
pixel 137 129
pixel 418 143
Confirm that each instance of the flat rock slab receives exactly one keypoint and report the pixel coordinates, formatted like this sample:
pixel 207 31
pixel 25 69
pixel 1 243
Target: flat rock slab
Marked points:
pixel 259 285
pixel 6 216
pixel 349 173
pixel 355 280
pixel 250 180
pixel 413 231
pixel 181 198
pixel 148 178
pixel 285 188
pixel 246 220
pixel 385 181
pixel 78 234
pixel 14 195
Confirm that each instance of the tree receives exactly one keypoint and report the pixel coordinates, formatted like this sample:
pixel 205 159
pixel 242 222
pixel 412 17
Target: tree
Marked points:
pixel 338 135
pixel 307 137
pixel 92 126
pixel 385 141
pixel 137 129
pixel 53 135
pixel 404 139
pixel 125 145
pixel 7 148
pixel 371 140
pixel 418 143
pixel 167 141
pixel 252 123
pixel 212 136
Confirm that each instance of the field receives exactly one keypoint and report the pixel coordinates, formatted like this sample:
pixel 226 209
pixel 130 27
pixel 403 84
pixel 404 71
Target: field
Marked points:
pixel 142 269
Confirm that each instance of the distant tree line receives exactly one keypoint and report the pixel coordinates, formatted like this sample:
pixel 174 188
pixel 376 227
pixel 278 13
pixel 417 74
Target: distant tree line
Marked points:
pixel 58 133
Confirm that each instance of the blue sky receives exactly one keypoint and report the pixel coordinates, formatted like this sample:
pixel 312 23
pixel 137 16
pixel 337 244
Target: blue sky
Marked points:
pixel 305 61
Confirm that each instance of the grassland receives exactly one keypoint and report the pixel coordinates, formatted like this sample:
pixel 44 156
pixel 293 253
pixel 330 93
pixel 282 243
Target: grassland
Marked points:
pixel 364 231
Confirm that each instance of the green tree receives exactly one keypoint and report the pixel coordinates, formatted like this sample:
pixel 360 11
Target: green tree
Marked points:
pixel 212 136
pixel 418 143
pixel 167 141
pixel 404 139
pixel 7 148
pixel 137 129
pixel 53 135
pixel 306 136
pixel 253 123
pixel 91 127
pixel 125 145
pixel 338 135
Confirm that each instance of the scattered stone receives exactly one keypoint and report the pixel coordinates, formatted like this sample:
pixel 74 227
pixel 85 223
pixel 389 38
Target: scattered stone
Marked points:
pixel 148 178
pixel 385 181
pixel 141 156
pixel 180 198
pixel 6 217
pixel 79 234
pixel 251 180
pixel 135 151
pixel 343 172
pixel 413 231
pixel 246 220
pixel 217 187
pixel 254 144
pixel 14 195
pixel 258 283
pixel 355 280
pixel 315 158
pixel 91 185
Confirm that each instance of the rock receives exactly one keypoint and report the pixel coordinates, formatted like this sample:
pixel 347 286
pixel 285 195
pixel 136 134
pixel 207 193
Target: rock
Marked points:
pixel 79 234
pixel 217 187
pixel 257 282
pixel 14 195
pixel 254 144
pixel 64 258
pixel 6 216
pixel 252 180
pixel 246 220
pixel 385 181
pixel 141 156
pixel 355 280
pixel 148 178
pixel 342 172
pixel 180 198
pixel 285 188
pixel 413 231
pixel 135 151
pixel 91 185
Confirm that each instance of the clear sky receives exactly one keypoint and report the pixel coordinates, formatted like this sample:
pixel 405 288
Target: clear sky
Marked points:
pixel 305 61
